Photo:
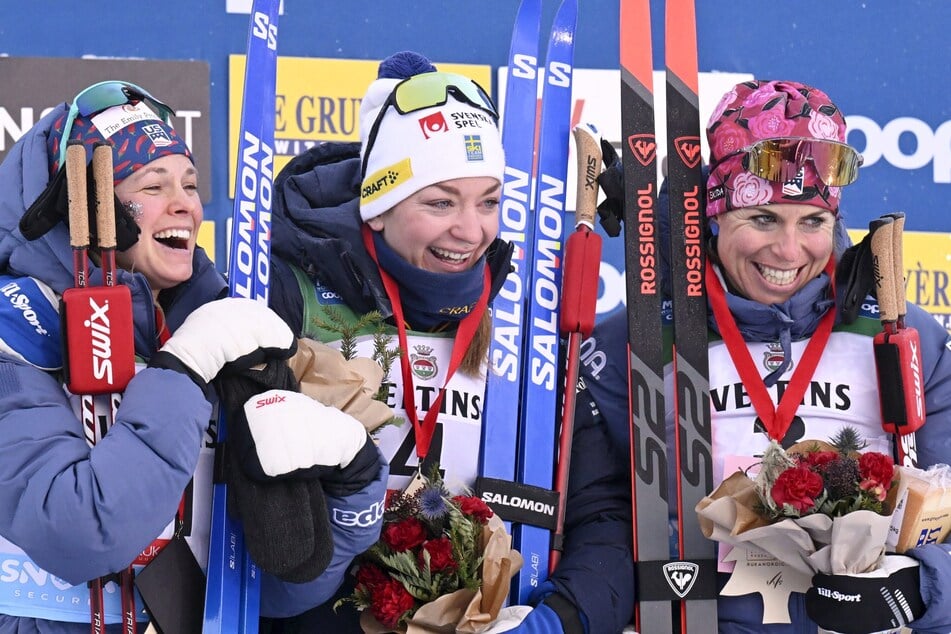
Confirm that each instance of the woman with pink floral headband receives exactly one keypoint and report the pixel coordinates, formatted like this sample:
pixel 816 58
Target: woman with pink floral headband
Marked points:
pixel 790 329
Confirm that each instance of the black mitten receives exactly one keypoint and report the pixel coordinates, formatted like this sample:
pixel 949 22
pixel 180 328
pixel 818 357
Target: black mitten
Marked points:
pixel 885 599
pixel 855 274
pixel 52 207
pixel 611 180
pixel 286 523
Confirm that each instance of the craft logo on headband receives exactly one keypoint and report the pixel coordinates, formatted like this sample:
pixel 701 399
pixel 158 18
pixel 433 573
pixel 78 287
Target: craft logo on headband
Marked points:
pixel 386 179
pixel 184 86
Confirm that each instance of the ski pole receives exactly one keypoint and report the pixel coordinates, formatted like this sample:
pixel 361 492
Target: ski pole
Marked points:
pixel 106 231
pixel 79 241
pixel 100 357
pixel 579 298
pixel 898 347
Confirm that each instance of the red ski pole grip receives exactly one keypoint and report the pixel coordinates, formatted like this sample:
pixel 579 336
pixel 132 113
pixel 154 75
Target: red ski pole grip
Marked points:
pixel 100 356
pixel 580 282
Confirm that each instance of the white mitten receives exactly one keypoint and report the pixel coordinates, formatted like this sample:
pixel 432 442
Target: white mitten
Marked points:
pixel 509 617
pixel 233 330
pixel 292 431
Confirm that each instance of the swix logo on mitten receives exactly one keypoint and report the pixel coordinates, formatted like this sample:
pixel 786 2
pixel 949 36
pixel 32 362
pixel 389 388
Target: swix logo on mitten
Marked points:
pixel 98 339
pixel 270 400
pixel 101 336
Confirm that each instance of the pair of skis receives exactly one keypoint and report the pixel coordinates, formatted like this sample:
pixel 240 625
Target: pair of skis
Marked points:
pixel 525 355
pixel 670 591
pixel 232 597
pixel 100 357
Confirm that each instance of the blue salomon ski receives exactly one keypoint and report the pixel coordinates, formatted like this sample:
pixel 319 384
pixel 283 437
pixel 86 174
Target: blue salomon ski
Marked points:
pixel 541 375
pixel 232 597
pixel 500 415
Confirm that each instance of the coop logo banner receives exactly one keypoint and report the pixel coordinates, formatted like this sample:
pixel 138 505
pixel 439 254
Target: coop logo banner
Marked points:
pixel 878 142
pixel 318 99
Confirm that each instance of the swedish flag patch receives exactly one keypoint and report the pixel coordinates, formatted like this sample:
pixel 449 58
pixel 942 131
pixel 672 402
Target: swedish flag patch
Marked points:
pixel 473 147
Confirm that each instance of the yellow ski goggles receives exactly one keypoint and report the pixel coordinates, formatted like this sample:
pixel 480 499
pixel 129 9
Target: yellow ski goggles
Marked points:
pixel 778 160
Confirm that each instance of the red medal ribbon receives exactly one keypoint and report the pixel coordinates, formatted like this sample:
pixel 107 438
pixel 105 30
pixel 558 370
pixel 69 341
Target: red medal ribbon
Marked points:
pixel 776 419
pixel 464 334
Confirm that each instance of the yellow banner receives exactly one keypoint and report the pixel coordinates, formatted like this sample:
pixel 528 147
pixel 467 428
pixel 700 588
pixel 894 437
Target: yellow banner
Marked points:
pixel 927 261
pixel 317 100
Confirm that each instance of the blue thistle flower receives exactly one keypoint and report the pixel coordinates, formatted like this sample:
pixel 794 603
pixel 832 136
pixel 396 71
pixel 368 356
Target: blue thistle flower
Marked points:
pixel 432 504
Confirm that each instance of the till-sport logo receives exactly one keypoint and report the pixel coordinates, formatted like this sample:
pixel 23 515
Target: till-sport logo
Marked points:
pixel 680 576
pixel 21 301
pixel 835 595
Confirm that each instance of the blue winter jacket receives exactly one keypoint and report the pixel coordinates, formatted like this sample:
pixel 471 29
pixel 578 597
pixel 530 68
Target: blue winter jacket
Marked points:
pixel 607 375
pixel 316 227
pixel 80 513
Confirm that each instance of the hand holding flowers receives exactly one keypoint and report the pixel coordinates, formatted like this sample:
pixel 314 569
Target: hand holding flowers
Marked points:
pixel 817 507
pixel 441 561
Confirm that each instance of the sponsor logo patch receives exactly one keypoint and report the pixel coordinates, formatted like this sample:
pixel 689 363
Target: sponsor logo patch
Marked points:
pixel 433 124
pixel 474 147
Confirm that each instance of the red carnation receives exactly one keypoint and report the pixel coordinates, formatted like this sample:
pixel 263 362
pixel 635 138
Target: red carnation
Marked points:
pixel 474 507
pixel 797 487
pixel 403 535
pixel 371 577
pixel 440 555
pixel 877 471
pixel 391 602
pixel 816 459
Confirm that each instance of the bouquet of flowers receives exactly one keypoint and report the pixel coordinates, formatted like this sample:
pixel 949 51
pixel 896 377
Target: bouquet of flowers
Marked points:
pixel 443 563
pixel 817 507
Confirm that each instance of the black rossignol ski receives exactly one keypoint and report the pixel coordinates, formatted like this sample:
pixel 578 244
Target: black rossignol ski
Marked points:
pixel 694 577
pixel 642 263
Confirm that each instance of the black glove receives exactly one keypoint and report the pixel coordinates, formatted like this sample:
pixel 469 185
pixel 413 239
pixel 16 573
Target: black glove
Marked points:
pixel 855 273
pixel 611 180
pixel 291 436
pixel 885 599
pixel 286 521
pixel 286 524
pixel 52 207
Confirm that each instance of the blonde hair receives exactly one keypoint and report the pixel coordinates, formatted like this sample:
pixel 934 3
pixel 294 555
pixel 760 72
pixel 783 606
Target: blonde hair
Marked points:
pixel 478 347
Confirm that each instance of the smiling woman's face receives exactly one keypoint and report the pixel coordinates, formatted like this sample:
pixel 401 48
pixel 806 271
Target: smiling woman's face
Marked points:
pixel 163 198
pixel 768 253
pixel 446 227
